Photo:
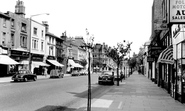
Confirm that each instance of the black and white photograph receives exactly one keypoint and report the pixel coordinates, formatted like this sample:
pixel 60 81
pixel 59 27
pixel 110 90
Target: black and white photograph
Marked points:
pixel 92 55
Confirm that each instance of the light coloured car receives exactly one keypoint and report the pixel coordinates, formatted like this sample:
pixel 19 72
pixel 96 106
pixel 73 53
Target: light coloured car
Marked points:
pixel 56 73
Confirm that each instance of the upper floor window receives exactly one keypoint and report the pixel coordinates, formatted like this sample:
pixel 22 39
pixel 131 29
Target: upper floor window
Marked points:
pixel 23 27
pixel 42 33
pixel 23 41
pixel 12 23
pixel 4 22
pixel 35 31
pixel 42 46
pixel 35 44
pixel 12 38
pixel 51 51
pixel 3 38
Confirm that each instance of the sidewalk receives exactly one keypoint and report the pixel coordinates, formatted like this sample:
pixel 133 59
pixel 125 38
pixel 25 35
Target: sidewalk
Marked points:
pixel 9 79
pixel 136 93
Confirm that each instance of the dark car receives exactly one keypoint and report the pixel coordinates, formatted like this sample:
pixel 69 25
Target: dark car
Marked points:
pixel 24 75
pixel 56 73
pixel 106 77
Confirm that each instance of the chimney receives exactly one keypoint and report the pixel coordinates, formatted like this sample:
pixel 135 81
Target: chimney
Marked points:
pixel 45 23
pixel 20 8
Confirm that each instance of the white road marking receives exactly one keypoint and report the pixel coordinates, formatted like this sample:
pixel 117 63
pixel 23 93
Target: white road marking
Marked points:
pixel 102 103
pixel 120 104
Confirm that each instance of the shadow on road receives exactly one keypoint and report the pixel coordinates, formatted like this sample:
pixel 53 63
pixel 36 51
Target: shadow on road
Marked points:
pixel 96 90
pixel 55 108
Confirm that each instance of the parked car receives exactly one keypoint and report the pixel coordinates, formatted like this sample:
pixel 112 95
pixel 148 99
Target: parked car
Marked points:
pixel 83 72
pixel 56 73
pixel 119 77
pixel 106 77
pixel 75 73
pixel 24 75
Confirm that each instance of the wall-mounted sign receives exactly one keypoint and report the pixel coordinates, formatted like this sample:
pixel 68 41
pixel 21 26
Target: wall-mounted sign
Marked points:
pixel 150 59
pixel 177 11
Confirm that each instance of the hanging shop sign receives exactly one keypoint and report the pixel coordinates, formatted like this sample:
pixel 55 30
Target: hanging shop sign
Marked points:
pixel 177 11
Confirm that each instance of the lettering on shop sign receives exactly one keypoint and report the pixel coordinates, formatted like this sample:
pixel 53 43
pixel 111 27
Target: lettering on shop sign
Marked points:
pixel 176 30
pixel 177 10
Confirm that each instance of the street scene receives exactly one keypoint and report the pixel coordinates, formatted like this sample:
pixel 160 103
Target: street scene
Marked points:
pixel 95 55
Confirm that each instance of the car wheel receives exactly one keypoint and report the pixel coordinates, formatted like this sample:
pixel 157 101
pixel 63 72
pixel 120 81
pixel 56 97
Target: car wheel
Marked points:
pixel 34 78
pixel 25 79
pixel 99 82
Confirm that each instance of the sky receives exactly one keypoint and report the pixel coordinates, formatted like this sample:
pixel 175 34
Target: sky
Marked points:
pixel 109 21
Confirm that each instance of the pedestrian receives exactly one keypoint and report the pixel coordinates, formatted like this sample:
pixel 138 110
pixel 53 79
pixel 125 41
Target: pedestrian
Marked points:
pixel 121 75
pixel 45 71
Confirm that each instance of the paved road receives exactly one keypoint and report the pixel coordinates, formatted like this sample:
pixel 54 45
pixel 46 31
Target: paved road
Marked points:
pixel 46 94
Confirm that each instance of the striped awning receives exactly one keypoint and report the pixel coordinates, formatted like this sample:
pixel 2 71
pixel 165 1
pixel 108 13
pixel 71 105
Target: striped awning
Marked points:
pixel 166 56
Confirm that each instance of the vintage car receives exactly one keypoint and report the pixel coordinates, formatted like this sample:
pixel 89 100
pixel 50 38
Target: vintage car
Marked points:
pixel 83 72
pixel 75 73
pixel 106 77
pixel 24 75
pixel 56 73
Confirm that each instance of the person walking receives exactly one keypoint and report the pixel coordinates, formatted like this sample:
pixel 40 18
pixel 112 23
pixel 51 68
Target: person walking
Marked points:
pixel 45 71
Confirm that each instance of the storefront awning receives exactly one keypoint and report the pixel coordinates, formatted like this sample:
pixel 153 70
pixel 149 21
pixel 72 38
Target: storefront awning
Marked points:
pixel 24 62
pixel 78 65
pixel 56 63
pixel 37 63
pixel 166 56
pixel 6 60
pixel 72 64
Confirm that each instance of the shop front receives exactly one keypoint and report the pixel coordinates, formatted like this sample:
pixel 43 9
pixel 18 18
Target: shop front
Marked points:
pixel 178 34
pixel 21 56
pixel 37 64
pixel 54 64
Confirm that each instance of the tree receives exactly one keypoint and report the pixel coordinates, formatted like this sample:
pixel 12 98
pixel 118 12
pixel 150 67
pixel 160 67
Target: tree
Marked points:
pixel 132 61
pixel 118 53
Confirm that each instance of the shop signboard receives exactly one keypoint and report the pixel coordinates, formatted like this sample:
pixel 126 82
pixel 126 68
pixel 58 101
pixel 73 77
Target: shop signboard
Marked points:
pixel 150 59
pixel 177 11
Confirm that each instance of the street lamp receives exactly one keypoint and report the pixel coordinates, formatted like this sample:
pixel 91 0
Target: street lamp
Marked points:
pixel 88 45
pixel 31 37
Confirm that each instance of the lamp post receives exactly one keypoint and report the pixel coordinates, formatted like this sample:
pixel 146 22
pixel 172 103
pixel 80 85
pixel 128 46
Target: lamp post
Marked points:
pixel 89 46
pixel 31 37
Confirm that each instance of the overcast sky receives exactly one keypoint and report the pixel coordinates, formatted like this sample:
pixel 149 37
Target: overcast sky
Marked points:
pixel 110 21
